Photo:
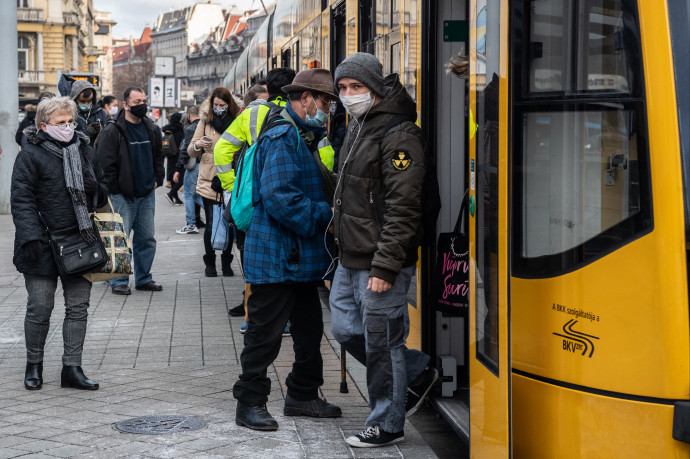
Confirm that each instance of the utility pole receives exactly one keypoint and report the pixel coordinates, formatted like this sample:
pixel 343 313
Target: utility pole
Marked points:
pixel 9 102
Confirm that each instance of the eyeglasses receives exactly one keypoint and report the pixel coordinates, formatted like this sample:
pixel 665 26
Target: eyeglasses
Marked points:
pixel 64 125
pixel 328 103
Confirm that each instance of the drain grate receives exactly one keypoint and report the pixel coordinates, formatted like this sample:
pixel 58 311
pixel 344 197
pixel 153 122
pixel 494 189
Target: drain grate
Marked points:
pixel 156 425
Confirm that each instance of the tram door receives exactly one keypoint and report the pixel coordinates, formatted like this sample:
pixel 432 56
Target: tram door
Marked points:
pixel 489 321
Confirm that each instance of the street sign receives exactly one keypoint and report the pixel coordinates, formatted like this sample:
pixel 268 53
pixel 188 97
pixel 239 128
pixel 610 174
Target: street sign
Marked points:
pixel 170 92
pixel 156 89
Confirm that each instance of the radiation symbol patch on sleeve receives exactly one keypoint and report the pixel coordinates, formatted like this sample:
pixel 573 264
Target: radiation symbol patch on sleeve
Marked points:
pixel 401 161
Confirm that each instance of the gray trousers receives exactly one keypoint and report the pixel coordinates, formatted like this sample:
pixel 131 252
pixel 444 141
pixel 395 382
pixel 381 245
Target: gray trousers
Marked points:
pixel 41 290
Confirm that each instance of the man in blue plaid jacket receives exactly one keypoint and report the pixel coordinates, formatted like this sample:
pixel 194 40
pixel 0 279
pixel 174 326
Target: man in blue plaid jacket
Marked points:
pixel 285 257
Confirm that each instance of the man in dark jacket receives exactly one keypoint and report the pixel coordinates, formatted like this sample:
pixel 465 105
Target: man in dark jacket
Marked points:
pixel 91 118
pixel 188 177
pixel 177 130
pixel 285 258
pixel 129 152
pixel 377 226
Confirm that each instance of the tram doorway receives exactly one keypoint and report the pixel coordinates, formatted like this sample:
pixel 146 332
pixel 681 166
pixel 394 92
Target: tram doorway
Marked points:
pixel 446 111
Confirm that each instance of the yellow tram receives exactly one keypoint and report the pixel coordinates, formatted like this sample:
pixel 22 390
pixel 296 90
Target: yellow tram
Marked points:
pixel 574 142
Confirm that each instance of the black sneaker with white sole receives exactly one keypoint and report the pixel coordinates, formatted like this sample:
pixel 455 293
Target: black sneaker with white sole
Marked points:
pixel 416 393
pixel 375 436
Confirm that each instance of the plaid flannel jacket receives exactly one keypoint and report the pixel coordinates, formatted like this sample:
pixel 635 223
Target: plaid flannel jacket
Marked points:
pixel 285 240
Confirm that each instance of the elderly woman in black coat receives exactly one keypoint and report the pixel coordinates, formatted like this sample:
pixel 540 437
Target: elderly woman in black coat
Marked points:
pixel 56 174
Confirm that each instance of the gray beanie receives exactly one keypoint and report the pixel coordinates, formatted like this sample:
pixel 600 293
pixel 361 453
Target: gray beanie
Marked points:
pixel 362 67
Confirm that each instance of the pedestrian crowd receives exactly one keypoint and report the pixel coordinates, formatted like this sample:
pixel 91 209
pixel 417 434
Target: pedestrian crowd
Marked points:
pixel 329 201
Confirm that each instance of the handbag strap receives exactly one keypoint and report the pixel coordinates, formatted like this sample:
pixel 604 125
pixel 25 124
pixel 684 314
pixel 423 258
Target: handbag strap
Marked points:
pixel 461 214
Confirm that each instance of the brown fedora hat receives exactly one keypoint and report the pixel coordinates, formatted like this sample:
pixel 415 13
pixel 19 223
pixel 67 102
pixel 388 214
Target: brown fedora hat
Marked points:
pixel 317 80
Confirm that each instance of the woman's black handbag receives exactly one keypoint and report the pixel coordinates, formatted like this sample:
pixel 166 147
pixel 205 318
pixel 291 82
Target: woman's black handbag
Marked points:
pixel 72 254
pixel 452 275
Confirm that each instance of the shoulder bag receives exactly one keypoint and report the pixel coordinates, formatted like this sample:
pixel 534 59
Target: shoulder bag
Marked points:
pixel 72 254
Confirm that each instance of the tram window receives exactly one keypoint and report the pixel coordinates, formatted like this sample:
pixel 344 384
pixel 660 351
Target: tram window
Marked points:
pixel 581 46
pixel 581 183
pixel 578 178
pixel 487 191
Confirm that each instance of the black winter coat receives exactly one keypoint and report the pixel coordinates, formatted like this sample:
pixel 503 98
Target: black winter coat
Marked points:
pixel 177 131
pixel 377 212
pixel 92 127
pixel 28 120
pixel 38 184
pixel 113 155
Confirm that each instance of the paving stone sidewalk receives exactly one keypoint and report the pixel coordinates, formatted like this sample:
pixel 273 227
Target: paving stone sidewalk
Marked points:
pixel 174 352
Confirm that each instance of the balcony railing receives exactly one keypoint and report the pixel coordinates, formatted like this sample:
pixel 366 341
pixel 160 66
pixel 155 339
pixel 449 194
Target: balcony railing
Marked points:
pixel 29 14
pixel 71 18
pixel 32 76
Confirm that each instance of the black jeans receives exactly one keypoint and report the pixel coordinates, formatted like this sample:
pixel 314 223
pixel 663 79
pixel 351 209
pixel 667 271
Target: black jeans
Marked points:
pixel 270 306
pixel 208 211
pixel 170 163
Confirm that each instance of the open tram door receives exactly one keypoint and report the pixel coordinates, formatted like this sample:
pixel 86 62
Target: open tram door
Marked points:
pixel 489 318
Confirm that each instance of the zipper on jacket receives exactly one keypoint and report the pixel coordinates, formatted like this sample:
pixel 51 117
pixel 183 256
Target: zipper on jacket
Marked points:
pixel 376 213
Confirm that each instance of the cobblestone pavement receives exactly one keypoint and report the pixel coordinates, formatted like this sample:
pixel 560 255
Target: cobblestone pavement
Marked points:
pixel 174 352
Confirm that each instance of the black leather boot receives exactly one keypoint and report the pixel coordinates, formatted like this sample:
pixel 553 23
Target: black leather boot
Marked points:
pixel 33 379
pixel 210 262
pixel 254 417
pixel 74 377
pixel 226 263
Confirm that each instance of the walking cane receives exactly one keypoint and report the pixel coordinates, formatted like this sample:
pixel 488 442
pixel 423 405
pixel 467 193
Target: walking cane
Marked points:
pixel 343 371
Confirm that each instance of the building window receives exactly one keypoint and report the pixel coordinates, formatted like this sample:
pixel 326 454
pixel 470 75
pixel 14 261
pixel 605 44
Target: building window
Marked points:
pixel 24 47
pixel 23 3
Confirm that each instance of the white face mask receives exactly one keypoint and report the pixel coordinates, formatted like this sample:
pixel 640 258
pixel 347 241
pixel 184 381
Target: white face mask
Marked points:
pixel 112 111
pixel 358 105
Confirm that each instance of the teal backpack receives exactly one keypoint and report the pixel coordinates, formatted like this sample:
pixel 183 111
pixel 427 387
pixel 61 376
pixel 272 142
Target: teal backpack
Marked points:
pixel 242 203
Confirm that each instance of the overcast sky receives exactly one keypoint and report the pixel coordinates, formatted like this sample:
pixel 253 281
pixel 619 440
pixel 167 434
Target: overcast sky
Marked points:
pixel 133 15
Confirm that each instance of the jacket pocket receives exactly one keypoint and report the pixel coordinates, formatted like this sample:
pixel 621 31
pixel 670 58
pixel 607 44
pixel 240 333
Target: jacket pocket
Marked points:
pixel 358 235
pixel 375 211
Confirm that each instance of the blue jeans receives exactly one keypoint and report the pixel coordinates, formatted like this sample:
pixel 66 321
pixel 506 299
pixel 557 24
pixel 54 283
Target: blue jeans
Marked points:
pixel 138 216
pixel 190 196
pixel 373 327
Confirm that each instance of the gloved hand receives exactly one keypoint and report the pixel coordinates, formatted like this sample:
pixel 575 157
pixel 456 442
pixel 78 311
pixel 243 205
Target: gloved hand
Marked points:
pixel 90 185
pixel 33 250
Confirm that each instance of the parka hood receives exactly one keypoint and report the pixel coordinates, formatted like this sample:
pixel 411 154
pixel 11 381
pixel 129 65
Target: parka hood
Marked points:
pixel 80 86
pixel 396 101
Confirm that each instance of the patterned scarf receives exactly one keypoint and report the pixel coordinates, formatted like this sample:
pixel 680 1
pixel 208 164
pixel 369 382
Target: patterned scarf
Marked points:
pixel 74 179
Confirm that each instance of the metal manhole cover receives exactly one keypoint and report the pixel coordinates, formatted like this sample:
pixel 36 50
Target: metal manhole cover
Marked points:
pixel 155 425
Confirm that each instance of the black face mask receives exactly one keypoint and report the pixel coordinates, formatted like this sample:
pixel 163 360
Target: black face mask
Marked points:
pixel 138 110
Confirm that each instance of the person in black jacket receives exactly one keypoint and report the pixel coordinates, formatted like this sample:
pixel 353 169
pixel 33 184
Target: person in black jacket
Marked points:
pixel 30 118
pixel 55 174
pixel 91 118
pixel 177 130
pixel 192 201
pixel 129 151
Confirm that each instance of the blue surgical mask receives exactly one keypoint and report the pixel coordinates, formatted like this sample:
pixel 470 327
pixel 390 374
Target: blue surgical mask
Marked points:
pixel 319 119
pixel 85 107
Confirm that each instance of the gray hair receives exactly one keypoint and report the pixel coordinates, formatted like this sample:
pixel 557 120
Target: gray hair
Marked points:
pixel 49 107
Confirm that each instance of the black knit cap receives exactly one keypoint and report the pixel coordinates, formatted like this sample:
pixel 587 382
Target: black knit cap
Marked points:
pixel 363 67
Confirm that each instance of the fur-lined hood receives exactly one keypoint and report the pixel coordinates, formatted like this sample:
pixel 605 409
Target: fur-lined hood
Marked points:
pixel 33 137
pixel 203 109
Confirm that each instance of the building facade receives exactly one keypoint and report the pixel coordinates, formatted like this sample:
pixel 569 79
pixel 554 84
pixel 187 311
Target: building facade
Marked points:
pixel 52 36
pixel 210 60
pixel 103 41
pixel 176 31
pixel 132 63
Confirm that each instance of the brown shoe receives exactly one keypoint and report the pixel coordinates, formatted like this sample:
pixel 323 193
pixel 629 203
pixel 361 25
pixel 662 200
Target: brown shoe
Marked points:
pixel 151 287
